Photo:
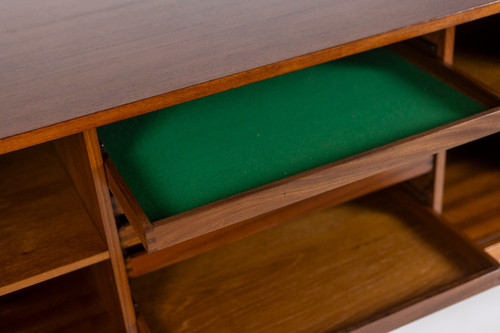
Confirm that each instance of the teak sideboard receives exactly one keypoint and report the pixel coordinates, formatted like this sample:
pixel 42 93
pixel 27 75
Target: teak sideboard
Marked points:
pixel 340 228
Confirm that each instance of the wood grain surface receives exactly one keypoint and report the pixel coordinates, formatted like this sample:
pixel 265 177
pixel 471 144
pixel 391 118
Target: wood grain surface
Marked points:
pixel 96 165
pixel 63 63
pixel 337 269
pixel 45 230
pixel 142 262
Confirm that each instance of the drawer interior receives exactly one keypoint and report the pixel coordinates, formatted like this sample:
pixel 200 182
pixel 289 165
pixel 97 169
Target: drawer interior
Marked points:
pixel 346 267
pixel 202 151
pixel 202 166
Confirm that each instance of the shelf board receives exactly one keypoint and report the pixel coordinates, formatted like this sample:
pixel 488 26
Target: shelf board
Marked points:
pixel 45 230
pixel 472 192
pixel 69 303
pixel 346 266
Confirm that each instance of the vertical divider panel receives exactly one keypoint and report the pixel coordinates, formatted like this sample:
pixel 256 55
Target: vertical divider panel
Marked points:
pixel 81 155
pixel 445 52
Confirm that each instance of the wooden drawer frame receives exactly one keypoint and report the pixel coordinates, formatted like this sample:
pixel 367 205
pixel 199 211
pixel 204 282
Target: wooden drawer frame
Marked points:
pixel 241 207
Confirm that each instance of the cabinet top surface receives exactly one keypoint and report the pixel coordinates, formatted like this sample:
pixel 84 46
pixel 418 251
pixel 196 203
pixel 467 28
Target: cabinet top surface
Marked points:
pixel 69 65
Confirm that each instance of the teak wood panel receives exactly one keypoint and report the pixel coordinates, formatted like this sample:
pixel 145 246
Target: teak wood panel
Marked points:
pixel 376 262
pixel 45 230
pixel 89 144
pixel 250 204
pixel 142 263
pixel 88 63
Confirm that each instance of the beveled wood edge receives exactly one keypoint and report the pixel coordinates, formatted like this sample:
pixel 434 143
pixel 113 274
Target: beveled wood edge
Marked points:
pixel 108 222
pixel 451 75
pixel 494 251
pixel 483 279
pixel 446 46
pixel 38 278
pixel 255 202
pixel 142 263
pixel 131 208
pixel 430 302
pixel 438 182
pixel 464 244
pixel 154 103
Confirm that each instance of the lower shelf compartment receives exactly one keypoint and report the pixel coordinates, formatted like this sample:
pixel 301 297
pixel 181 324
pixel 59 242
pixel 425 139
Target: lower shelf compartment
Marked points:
pixel 472 193
pixel 75 302
pixel 373 263
pixel 45 229
pixel 477 52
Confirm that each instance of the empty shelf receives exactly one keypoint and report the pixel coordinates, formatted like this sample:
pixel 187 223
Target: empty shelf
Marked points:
pixel 45 230
pixel 345 267
pixel 71 303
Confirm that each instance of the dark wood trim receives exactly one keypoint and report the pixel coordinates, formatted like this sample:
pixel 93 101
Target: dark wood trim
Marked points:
pixel 250 204
pixel 93 150
pixel 430 303
pixel 433 301
pixel 142 263
pixel 438 182
pixel 446 46
pixel 121 112
pixel 279 194
pixel 130 206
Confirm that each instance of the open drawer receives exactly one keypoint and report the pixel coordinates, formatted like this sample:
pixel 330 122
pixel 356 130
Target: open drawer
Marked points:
pixel 206 165
pixel 371 264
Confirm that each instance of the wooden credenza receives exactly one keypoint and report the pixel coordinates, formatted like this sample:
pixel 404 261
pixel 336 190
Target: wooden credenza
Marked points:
pixel 67 252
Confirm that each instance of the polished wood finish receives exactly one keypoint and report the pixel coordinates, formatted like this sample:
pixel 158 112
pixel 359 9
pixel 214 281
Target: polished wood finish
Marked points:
pixel 438 184
pixel 90 63
pixel 69 303
pixel 446 46
pixel 444 42
pixel 93 151
pixel 142 262
pixel 250 204
pixel 68 69
pixel 45 230
pixel 131 208
pixel 338 269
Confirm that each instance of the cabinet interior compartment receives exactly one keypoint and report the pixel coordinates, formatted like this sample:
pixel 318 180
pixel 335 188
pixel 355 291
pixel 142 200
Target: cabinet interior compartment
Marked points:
pixel 477 51
pixel 472 192
pixel 193 160
pixel 373 263
pixel 45 228
pixel 80 301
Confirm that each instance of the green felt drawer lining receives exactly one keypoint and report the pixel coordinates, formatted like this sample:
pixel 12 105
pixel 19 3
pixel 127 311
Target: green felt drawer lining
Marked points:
pixel 201 151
